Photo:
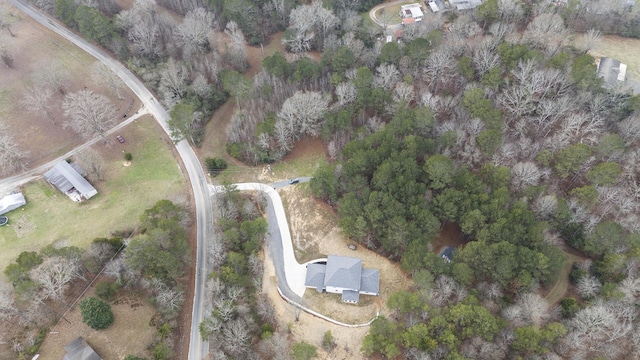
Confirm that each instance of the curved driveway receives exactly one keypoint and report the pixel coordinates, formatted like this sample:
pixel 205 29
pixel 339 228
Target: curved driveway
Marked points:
pixel 374 16
pixel 289 273
pixel 204 212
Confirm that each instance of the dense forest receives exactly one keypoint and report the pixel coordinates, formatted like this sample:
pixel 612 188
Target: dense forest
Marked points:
pixel 490 119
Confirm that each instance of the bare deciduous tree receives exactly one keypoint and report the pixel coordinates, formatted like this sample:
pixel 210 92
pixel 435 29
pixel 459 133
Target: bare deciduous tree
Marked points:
pixel 145 28
pixel 588 286
pixel 169 298
pixel 301 114
pixel 237 49
pixel 236 335
pixel 545 206
pixel 193 33
pixel 591 39
pixel 546 31
pixel 93 162
pixel 52 75
pixel 275 347
pixel 346 93
pixel 7 304
pixel 54 274
pixel 173 82
pixel 36 99
pixel 525 174
pixel 11 156
pixel 91 114
pixel 102 74
pixel 387 75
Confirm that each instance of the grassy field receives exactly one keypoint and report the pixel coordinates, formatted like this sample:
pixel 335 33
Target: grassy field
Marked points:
pixel 626 50
pixel 126 192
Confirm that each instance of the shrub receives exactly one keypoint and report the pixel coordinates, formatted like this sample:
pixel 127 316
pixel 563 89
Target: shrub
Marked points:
pixel 327 341
pixel 215 165
pixel 569 307
pixel 106 290
pixel 96 313
pixel 128 156
pixel 303 351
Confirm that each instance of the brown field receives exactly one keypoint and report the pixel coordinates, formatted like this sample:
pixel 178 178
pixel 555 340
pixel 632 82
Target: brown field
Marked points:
pixel 130 333
pixel 33 48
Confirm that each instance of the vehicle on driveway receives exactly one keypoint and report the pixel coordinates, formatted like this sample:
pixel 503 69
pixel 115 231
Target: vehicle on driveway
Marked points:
pixel 120 139
pixel 294 181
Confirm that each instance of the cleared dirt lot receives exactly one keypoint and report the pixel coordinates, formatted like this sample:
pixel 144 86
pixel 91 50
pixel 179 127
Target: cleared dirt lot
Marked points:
pixel 131 331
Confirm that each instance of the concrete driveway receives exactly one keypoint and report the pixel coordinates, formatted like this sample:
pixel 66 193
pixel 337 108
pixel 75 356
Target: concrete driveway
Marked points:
pixel 289 273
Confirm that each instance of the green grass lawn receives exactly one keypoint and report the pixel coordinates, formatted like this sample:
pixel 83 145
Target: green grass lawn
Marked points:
pixel 126 192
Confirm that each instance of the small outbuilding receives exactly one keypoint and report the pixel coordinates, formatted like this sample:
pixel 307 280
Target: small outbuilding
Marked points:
pixel 447 254
pixel 465 4
pixel 79 349
pixel 414 11
pixel 69 178
pixel 343 275
pixel 11 202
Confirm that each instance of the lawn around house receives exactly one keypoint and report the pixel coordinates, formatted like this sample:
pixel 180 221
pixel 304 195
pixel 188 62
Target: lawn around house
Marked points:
pixel 126 192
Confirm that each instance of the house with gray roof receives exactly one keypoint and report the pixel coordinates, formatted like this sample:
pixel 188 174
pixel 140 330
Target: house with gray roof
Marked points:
pixel 343 275
pixel 78 349
pixel 612 71
pixel 69 178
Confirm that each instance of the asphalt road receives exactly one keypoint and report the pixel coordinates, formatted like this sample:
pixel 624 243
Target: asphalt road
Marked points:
pixel 204 212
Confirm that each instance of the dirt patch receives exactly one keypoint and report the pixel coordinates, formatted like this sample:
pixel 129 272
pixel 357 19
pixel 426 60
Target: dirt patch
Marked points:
pixel 130 333
pixel 22 227
pixel 450 235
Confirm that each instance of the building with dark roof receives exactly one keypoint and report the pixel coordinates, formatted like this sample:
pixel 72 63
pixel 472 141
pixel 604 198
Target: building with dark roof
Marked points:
pixel 69 178
pixel 343 275
pixel 447 254
pixel 78 349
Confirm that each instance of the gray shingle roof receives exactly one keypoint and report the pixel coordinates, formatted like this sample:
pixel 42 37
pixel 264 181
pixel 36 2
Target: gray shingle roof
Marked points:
pixel 66 177
pixel 315 276
pixel 447 253
pixel 350 296
pixel 78 349
pixel 612 71
pixel 343 272
pixel 370 281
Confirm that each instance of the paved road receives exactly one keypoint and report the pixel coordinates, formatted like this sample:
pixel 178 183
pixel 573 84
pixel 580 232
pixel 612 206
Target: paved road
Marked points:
pixel 204 212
